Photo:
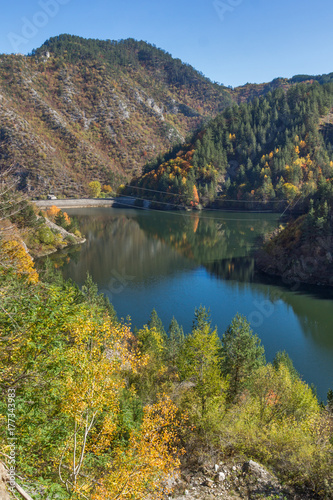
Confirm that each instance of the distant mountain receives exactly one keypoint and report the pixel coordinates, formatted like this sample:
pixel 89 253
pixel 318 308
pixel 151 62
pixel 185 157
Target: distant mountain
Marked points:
pixel 248 91
pixel 77 110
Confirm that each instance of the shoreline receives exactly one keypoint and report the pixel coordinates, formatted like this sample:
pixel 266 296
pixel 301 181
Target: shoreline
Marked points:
pixel 124 202
pixel 76 203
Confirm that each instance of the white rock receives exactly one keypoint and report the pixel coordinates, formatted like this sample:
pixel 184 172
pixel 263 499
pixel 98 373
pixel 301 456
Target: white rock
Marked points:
pixel 221 476
pixel 216 467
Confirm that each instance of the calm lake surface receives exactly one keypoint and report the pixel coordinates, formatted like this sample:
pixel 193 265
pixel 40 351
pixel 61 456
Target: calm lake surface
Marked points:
pixel 174 262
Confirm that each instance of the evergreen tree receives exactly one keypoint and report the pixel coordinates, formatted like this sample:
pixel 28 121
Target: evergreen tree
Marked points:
pixel 176 340
pixel 199 360
pixel 90 293
pixel 155 322
pixel 330 400
pixel 201 317
pixel 241 354
pixel 90 290
pixel 282 358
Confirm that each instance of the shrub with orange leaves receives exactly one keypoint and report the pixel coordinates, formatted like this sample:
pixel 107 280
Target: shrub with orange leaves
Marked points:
pixel 107 188
pixel 52 212
pixel 67 218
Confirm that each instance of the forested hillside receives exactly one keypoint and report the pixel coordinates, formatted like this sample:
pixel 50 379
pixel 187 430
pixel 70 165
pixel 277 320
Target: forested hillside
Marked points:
pixel 277 149
pixel 79 110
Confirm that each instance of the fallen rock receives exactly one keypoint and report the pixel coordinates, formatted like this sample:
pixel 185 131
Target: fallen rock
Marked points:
pixel 258 470
pixel 230 481
pixel 220 477
pixel 260 481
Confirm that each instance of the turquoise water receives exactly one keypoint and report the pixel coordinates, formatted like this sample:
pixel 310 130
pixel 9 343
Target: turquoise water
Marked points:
pixel 174 262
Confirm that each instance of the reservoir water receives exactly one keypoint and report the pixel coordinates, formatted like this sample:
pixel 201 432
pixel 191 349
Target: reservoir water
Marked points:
pixel 174 262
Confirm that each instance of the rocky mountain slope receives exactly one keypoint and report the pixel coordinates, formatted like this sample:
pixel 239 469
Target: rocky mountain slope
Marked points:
pixel 77 110
pixel 232 481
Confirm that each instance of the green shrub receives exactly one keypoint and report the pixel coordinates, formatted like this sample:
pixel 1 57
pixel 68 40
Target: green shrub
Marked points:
pixel 46 236
pixel 58 240
pixel 70 239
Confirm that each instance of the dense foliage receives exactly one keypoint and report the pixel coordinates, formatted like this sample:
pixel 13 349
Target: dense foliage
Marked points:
pixel 319 78
pixel 275 149
pixel 103 411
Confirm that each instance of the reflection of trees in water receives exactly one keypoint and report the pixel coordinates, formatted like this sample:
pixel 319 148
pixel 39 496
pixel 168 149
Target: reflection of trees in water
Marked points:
pixel 144 245
pixel 59 259
pixel 221 246
pixel 207 239
pixel 116 247
pixel 312 306
pixel 239 269
pixel 138 244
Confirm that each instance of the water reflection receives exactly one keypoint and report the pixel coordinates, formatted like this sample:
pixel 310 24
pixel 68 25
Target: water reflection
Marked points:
pixel 117 246
pixel 209 237
pixel 175 262
pixel 239 269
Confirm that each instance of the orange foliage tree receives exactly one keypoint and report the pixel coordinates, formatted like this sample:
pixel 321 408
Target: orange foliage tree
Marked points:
pixel 67 218
pixel 195 195
pixel 52 212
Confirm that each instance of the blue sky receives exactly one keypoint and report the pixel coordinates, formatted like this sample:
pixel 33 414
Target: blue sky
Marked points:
pixel 230 41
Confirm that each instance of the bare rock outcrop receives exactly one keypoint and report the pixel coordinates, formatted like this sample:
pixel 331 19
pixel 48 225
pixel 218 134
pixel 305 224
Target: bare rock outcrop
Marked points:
pixel 231 481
